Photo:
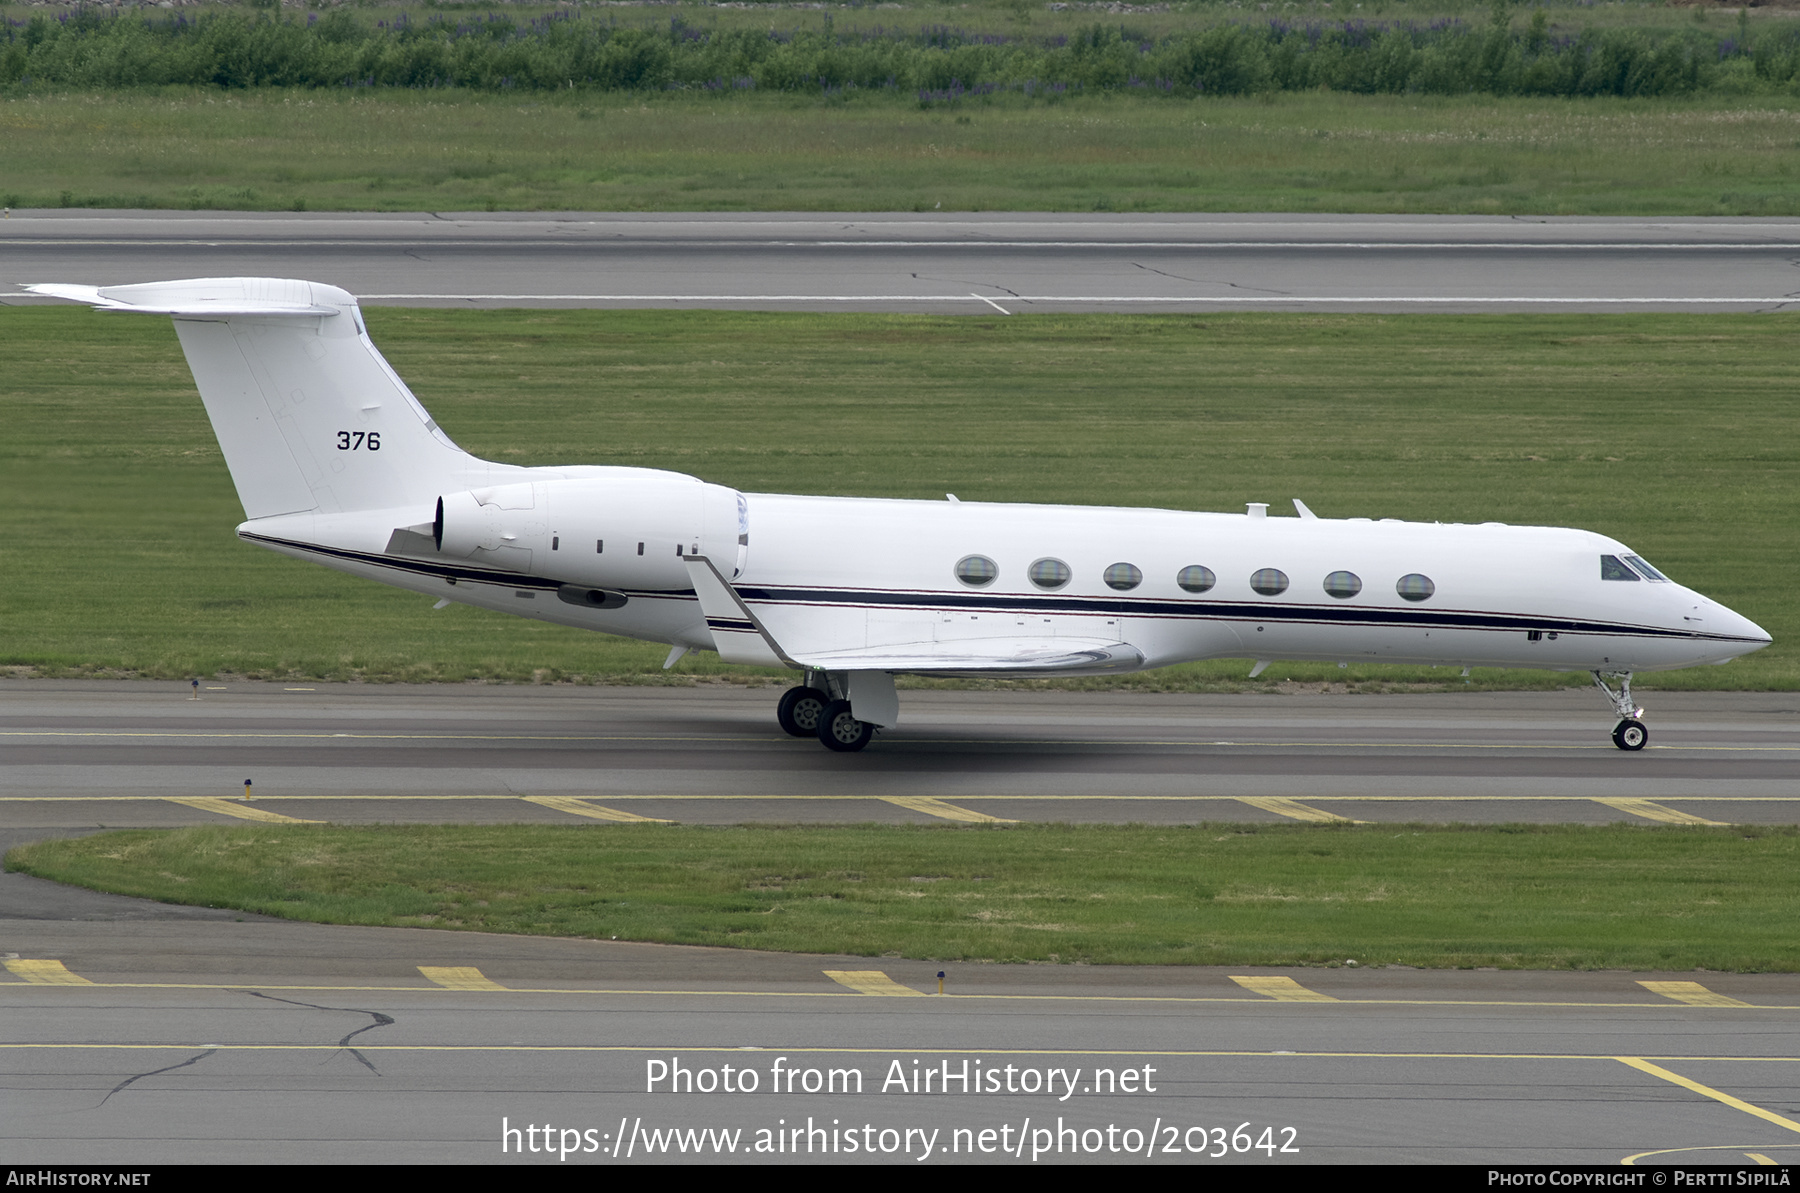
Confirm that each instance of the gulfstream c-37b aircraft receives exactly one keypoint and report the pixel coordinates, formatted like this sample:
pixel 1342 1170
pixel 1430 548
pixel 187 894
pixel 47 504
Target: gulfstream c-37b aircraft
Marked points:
pixel 336 462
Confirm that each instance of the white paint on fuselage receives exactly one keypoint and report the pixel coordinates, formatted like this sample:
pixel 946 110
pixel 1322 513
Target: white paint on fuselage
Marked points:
pixel 1484 572
pixel 833 573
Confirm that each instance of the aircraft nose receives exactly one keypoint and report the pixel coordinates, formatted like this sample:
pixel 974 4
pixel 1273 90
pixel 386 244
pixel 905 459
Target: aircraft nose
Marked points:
pixel 1730 622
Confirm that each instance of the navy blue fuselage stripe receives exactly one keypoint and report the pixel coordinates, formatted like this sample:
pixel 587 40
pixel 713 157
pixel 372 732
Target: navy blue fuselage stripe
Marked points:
pixel 734 624
pixel 1341 615
pixel 1348 615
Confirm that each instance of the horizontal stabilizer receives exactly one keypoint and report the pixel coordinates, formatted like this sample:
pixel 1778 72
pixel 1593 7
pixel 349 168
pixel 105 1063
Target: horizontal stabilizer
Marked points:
pixel 196 298
pixel 983 656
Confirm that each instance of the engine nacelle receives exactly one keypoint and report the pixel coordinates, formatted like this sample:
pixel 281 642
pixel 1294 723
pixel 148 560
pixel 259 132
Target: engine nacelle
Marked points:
pixel 630 530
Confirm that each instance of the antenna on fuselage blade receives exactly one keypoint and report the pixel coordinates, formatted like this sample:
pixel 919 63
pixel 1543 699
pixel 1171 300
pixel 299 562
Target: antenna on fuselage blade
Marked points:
pixel 1300 507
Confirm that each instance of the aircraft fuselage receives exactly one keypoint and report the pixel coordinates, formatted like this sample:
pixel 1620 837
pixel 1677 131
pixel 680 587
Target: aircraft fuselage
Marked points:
pixel 851 573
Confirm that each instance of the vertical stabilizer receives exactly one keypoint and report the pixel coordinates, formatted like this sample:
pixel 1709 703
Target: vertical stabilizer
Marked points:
pixel 308 414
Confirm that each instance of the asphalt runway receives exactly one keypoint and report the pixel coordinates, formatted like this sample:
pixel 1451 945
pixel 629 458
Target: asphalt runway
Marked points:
pixel 180 1040
pixel 137 1032
pixel 84 754
pixel 937 263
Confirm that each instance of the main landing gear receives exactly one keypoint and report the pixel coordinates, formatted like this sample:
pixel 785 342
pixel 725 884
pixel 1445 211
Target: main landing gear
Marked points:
pixel 1630 733
pixel 810 710
pixel 800 710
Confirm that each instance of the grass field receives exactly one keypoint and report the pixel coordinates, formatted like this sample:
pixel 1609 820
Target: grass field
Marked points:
pixel 1011 18
pixel 1517 897
pixel 1673 433
pixel 395 150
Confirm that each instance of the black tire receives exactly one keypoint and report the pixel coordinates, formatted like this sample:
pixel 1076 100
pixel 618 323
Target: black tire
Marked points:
pixel 800 709
pixel 1631 734
pixel 841 731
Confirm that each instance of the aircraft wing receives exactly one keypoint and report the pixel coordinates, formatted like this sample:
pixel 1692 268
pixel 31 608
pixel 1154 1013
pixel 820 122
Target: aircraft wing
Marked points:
pixel 983 656
pixel 741 637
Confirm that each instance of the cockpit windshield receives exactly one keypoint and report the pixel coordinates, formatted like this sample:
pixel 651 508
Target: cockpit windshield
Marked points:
pixel 1650 573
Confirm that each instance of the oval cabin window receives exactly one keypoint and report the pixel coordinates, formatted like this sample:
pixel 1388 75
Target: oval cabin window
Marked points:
pixel 1343 585
pixel 977 571
pixel 1269 581
pixel 1415 587
pixel 1123 577
pixel 1194 578
pixel 1049 573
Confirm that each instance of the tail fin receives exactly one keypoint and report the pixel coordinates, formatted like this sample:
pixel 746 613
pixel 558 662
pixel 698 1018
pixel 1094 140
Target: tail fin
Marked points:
pixel 308 414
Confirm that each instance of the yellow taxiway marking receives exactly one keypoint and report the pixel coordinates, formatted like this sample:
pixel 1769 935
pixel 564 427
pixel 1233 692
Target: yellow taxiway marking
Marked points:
pixel 1691 993
pixel 237 808
pixel 1293 809
pixel 872 981
pixel 1282 989
pixel 618 992
pixel 1650 810
pixel 951 1049
pixel 767 739
pixel 1716 1147
pixel 937 807
pixel 782 797
pixel 1707 1091
pixel 45 973
pixel 459 977
pixel 605 992
pixel 580 807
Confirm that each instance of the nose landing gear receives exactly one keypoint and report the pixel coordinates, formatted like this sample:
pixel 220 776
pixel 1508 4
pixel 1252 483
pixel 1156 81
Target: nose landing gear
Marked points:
pixel 1630 733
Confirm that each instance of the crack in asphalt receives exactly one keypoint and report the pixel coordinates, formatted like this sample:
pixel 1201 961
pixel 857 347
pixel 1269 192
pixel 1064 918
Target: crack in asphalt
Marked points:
pixel 153 1072
pixel 1205 281
pixel 1006 290
pixel 380 1019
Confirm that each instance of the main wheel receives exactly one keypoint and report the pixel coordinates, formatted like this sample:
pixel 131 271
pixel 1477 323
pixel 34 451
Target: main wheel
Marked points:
pixel 799 711
pixel 841 731
pixel 1630 735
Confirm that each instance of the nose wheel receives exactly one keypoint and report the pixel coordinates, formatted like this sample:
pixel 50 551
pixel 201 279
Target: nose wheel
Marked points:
pixel 1629 733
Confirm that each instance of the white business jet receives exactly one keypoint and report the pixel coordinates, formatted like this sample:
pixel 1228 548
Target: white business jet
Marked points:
pixel 336 462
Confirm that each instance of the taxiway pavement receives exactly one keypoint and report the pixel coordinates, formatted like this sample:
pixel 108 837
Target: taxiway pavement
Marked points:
pixel 969 263
pixel 137 1032
pixel 157 1041
pixel 82 754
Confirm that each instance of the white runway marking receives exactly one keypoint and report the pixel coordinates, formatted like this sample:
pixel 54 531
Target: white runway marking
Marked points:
pixel 1186 299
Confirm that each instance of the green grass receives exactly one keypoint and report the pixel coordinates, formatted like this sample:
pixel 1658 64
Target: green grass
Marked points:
pixel 1523 897
pixel 1013 18
pixel 1673 433
pixel 444 151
